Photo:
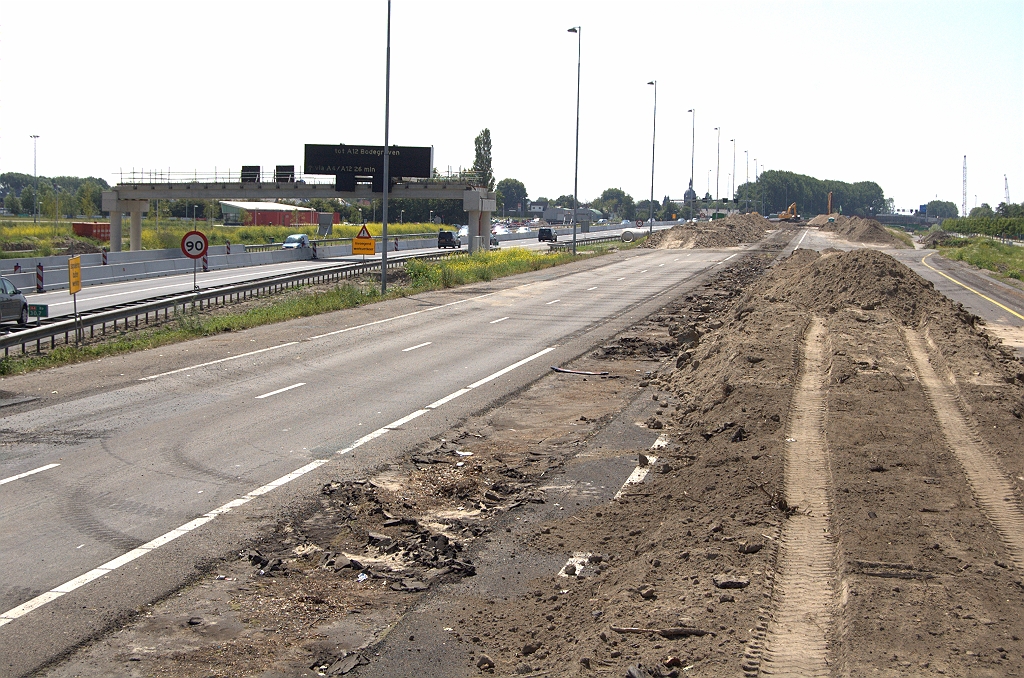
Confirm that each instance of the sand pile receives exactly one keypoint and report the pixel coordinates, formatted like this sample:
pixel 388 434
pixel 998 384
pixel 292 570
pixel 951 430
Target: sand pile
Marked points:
pixel 856 229
pixel 728 232
pixel 821 219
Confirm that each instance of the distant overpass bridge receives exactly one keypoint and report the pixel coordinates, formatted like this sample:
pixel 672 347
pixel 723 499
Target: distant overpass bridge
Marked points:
pixel 133 196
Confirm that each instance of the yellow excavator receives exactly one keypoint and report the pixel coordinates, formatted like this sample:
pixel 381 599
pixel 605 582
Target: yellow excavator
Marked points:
pixel 790 214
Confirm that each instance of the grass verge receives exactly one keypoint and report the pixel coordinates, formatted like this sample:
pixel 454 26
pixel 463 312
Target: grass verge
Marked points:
pixel 1006 260
pixel 305 302
pixel 902 236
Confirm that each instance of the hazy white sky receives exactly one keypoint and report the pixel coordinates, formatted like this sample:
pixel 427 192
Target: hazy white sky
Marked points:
pixel 895 92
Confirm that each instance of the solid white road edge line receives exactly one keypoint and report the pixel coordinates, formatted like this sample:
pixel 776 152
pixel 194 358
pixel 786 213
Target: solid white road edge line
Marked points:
pixel 640 472
pixel 28 473
pixel 281 390
pixel 96 573
pixel 413 348
pixel 577 562
pixel 802 238
pixel 497 321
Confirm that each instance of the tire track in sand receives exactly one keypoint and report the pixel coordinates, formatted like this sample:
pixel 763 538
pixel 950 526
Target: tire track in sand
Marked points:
pixel 802 599
pixel 990 485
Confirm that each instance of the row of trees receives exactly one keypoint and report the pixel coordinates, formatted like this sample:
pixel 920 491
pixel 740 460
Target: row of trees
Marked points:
pixel 1005 221
pixel 64 196
pixel 775 190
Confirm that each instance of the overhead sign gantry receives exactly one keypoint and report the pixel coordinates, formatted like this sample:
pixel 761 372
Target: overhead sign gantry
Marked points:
pixel 357 173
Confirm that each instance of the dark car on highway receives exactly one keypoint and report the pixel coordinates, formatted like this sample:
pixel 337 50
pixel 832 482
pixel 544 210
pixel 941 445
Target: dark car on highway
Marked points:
pixel 547 234
pixel 13 305
pixel 448 239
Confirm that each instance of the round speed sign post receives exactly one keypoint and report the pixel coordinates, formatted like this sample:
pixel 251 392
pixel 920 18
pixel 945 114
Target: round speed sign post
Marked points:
pixel 194 245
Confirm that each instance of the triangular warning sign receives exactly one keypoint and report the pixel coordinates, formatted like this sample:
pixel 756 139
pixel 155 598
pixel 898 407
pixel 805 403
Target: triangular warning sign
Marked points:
pixel 364 234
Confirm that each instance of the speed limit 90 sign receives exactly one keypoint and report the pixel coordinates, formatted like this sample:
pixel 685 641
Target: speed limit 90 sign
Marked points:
pixel 194 245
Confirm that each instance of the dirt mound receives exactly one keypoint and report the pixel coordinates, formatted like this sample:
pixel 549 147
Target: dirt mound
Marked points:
pixel 864 279
pixel 856 229
pixel 728 232
pixel 935 237
pixel 821 219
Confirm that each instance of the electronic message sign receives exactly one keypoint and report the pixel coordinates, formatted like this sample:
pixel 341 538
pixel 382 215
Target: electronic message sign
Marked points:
pixel 348 162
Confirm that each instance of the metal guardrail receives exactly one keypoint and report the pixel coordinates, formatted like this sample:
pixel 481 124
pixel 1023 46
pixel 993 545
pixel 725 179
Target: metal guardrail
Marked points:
pixel 102 318
pixel 271 246
pixel 567 245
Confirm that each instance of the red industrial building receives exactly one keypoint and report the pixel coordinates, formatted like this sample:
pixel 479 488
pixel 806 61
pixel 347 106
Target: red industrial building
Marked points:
pixel 266 214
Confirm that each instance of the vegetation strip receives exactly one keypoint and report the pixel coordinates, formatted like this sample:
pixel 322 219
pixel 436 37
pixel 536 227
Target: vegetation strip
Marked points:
pixel 1006 260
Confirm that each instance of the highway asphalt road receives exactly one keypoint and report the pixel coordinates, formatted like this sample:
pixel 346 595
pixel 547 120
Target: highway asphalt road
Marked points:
pixel 110 294
pixel 142 468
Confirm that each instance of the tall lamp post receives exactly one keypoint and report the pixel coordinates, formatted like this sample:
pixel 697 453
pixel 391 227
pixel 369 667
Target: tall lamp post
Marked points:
pixel 718 167
pixel 693 146
pixel 578 30
pixel 35 172
pixel 387 154
pixel 747 179
pixel 733 192
pixel 654 134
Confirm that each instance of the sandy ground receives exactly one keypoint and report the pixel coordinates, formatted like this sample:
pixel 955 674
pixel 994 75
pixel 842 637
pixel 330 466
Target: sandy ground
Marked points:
pixel 828 481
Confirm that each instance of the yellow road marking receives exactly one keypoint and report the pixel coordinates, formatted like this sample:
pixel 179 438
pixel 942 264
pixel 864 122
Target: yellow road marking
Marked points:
pixel 969 289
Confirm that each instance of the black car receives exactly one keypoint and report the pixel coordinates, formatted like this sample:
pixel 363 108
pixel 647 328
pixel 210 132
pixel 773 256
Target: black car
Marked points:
pixel 448 239
pixel 547 234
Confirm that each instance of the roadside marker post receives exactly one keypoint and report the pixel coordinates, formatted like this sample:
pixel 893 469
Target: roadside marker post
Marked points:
pixel 74 287
pixel 38 311
pixel 39 278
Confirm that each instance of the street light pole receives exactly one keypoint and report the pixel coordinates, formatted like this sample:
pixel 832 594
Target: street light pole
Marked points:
pixel 387 154
pixel 654 133
pixel 718 167
pixel 733 192
pixel 747 180
pixel 693 146
pixel 35 173
pixel 578 30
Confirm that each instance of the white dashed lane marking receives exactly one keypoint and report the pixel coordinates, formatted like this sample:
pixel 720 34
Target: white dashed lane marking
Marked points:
pixel 110 566
pixel 280 390
pixel 413 348
pixel 28 473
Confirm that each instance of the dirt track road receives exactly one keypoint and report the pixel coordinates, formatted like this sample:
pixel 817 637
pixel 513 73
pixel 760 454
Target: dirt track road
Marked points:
pixel 811 468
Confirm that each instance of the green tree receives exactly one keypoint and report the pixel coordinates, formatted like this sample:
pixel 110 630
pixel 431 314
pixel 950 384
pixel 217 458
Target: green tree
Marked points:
pixel 12 203
pixel 563 201
pixel 67 203
pixel 513 195
pixel 28 199
pixel 1010 210
pixel 943 209
pixel 89 196
pixel 482 160
pixel 616 203
pixel 983 212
